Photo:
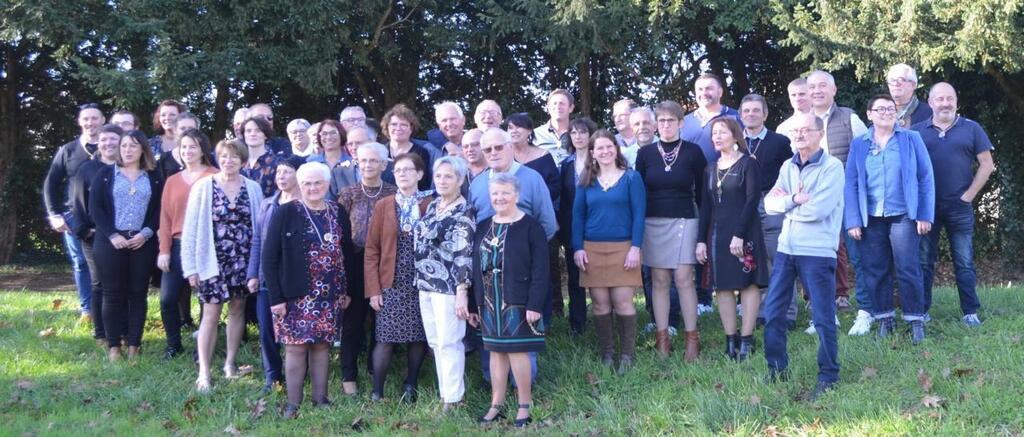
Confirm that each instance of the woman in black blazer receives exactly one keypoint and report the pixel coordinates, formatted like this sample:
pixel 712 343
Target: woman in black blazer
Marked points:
pixel 577 144
pixel 124 203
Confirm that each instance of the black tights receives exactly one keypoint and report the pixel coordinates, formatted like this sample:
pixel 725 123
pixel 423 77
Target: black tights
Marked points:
pixel 415 353
pixel 295 360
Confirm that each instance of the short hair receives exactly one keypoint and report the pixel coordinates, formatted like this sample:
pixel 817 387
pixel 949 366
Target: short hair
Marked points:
pixel 830 79
pixel 126 112
pixel 819 124
pixel 261 105
pixel 301 123
pixel 734 128
pixel 506 178
pixel 505 137
pixel 378 148
pixel 521 120
pixel 157 128
pixel 146 161
pixel 578 123
pixel 627 100
pixel 800 81
pixel 937 84
pixel 457 164
pixel 645 110
pixel 190 116
pixel 712 76
pixel 313 169
pixel 561 92
pixel 335 124
pixel 85 106
pixel 112 129
pixel 234 146
pixel 242 113
pixel 403 112
pixel 753 97
pixel 414 158
pixel 262 124
pixel 202 140
pixel 909 72
pixel 352 109
pixel 876 98
pixel 670 107
pixel 449 105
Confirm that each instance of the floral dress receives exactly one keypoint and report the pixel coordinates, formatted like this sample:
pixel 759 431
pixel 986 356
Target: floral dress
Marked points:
pixel 399 320
pixel 232 234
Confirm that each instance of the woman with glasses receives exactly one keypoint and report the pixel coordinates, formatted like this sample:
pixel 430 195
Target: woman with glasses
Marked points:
pixel 398 125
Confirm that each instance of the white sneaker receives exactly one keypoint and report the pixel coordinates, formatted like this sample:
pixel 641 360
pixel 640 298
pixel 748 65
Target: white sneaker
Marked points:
pixel 704 309
pixel 672 331
pixel 810 329
pixel 195 334
pixel 649 328
pixel 862 325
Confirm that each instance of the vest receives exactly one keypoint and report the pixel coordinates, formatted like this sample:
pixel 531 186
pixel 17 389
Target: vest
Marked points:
pixel 839 133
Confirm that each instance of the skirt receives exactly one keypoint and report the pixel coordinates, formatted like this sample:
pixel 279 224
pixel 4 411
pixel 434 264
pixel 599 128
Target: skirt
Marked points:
pixel 605 268
pixel 669 242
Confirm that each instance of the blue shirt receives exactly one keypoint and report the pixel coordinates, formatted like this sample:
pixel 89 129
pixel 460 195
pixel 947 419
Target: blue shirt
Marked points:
pixel 534 198
pixel 885 189
pixel 131 200
pixel 954 152
pixel 613 215
pixel 698 131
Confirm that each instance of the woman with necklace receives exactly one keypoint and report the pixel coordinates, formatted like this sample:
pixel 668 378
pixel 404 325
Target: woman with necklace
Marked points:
pixel 306 259
pixel 731 243
pixel 444 261
pixel 216 239
pixel 165 120
pixel 390 277
pixel 262 161
pixel 607 232
pixel 124 205
pixel 359 200
pixel 577 144
pixel 194 150
pixel 397 126
pixel 510 281
pixel 672 171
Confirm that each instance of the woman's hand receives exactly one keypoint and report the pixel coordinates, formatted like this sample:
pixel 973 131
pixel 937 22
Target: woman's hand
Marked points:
pixel 118 241
pixel 376 302
pixel 253 284
pixel 532 316
pixel 632 258
pixel 462 304
pixel 736 247
pixel 163 262
pixel 702 253
pixel 279 310
pixel 193 281
pixel 856 233
pixel 580 257
pixel 136 242
pixel 473 320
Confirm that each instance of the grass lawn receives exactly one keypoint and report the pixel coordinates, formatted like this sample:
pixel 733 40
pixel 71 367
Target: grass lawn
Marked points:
pixel 958 382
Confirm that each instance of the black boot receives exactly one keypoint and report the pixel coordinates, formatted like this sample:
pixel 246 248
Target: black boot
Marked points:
pixel 746 348
pixel 731 344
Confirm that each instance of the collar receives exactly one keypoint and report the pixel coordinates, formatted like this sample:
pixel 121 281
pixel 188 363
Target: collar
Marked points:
pixel 909 109
pixel 760 135
pixel 706 118
pixel 828 113
pixel 512 169
pixel 956 121
pixel 815 158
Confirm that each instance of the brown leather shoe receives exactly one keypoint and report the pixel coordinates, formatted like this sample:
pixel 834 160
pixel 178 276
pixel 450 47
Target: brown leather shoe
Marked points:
pixel 692 346
pixel 662 343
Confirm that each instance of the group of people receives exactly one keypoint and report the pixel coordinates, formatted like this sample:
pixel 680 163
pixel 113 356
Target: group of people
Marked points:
pixel 455 243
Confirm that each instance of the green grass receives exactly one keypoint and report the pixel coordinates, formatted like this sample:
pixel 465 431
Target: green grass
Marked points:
pixel 62 384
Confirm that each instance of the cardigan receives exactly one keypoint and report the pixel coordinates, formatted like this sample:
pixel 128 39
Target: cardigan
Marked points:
pixel 567 184
pixel 525 270
pixel 267 208
pixel 285 268
pixel 65 164
pixel 916 173
pixel 101 202
pixel 198 254
pixel 81 224
pixel 172 208
pixel 381 252
pixel 615 214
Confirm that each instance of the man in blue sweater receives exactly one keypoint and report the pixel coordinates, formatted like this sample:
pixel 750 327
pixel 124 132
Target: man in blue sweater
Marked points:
pixel 809 192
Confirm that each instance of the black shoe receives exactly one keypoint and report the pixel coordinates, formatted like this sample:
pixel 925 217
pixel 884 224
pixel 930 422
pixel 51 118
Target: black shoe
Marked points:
pixel 171 352
pixel 625 363
pixel 409 394
pixel 731 345
pixel 291 411
pixel 791 325
pixel 521 423
pixel 820 389
pixel 483 420
pixel 916 332
pixel 886 327
pixel 323 404
pixel 746 348
pixel 376 397
pixel 775 375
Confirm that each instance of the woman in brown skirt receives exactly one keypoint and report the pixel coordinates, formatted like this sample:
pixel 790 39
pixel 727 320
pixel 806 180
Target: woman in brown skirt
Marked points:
pixel 607 232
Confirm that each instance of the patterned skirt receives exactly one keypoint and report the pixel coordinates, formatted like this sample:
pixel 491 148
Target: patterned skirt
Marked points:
pixel 398 320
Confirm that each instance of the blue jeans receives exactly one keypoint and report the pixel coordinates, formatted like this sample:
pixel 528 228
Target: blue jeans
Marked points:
pixel 674 310
pixel 80 269
pixel 818 275
pixel 269 349
pixel 771 226
pixel 888 244
pixel 861 291
pixel 958 219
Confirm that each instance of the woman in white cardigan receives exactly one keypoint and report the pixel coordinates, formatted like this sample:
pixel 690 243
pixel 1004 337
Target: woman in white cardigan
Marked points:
pixel 215 245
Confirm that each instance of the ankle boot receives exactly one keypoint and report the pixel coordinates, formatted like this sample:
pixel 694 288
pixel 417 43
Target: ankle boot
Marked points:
pixel 605 345
pixel 731 343
pixel 746 348
pixel 692 346
pixel 916 332
pixel 886 327
pixel 627 335
pixel 662 343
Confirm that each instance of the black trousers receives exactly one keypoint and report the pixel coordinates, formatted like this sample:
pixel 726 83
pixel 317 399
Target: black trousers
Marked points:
pixel 96 299
pixel 172 285
pixel 125 275
pixel 353 323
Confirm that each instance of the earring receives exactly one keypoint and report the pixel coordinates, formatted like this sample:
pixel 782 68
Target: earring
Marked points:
pixel 735 147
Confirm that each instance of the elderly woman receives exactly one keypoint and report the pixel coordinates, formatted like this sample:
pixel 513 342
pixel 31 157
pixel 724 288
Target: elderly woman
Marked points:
pixel 444 263
pixel 298 137
pixel 359 201
pixel 730 240
pixel 390 276
pixel 577 144
pixel 304 257
pixel 510 281
pixel 398 125
pixel 672 171
pixel 216 239
pixel 262 161
pixel 194 151
pixel 165 119
pixel 607 233
pixel 124 205
pixel 889 205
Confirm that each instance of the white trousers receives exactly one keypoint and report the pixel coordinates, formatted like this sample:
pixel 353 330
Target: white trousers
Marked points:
pixel 444 335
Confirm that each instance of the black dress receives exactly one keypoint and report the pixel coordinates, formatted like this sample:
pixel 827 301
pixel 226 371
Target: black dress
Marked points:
pixel 729 209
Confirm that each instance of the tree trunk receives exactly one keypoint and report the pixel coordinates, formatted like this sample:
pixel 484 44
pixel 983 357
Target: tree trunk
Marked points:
pixel 9 135
pixel 586 87
pixel 221 121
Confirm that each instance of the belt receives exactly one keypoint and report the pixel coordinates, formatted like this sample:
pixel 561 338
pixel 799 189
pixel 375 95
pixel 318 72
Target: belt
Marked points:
pixel 128 234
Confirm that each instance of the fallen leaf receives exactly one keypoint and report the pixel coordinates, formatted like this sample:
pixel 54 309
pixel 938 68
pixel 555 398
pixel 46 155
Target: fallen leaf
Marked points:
pixel 357 424
pixel 57 303
pixel 256 409
pixel 48 332
pixel 813 426
pixel 868 373
pixel 755 400
pixel 244 370
pixel 771 431
pixel 719 387
pixel 932 401
pixel 189 409
pixel 961 372
pixel 924 380
pixel 232 430
pixel 926 354
pixel 144 406
pixel 24 384
pixel 946 372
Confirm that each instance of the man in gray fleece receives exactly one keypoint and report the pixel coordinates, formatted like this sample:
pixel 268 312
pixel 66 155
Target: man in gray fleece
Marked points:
pixel 809 192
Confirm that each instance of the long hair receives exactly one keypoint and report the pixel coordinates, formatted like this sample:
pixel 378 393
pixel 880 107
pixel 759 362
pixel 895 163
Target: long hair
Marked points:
pixel 204 145
pixel 592 170
pixel 146 161
pixel 737 131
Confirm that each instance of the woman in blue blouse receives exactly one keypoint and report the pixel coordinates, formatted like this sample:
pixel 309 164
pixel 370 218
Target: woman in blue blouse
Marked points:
pixel 607 232
pixel 125 205
pixel 890 204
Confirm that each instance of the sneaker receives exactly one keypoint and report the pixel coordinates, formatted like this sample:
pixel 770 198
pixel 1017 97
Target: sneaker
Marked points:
pixel 649 328
pixel 928 317
pixel 843 303
pixel 810 329
pixel 862 325
pixel 672 331
pixel 819 390
pixel 703 309
pixel 972 321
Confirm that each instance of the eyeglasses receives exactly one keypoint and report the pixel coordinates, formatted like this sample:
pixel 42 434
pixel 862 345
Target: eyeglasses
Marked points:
pixel 899 81
pixel 802 131
pixel 329 133
pixel 354 120
pixel 885 110
pixel 403 170
pixel 367 161
pixel 496 149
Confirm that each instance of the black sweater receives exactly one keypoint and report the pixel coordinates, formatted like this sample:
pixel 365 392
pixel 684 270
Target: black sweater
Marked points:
pixel 65 165
pixel 770 154
pixel 81 223
pixel 101 202
pixel 524 265
pixel 284 252
pixel 675 193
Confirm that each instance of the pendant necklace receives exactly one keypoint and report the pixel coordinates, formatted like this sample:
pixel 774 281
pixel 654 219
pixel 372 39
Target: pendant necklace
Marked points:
pixel 325 238
pixel 496 237
pixel 670 157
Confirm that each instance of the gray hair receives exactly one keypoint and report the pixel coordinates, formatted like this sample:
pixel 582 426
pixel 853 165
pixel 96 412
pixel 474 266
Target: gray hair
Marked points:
pixel 645 110
pixel 378 148
pixel 505 137
pixel 908 72
pixel 300 123
pixel 449 105
pixel 313 169
pixel 190 116
pixel 241 114
pixel 358 109
pixel 831 80
pixel 457 164
pixel 505 179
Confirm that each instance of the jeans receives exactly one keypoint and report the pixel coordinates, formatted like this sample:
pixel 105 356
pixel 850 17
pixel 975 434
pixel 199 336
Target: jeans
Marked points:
pixel 674 309
pixel 892 243
pixel 172 285
pixel 958 219
pixel 771 226
pixel 861 291
pixel 577 294
pixel 96 299
pixel 269 348
pixel 80 269
pixel 818 276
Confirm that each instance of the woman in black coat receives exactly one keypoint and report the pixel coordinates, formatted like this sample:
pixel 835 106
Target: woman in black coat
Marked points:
pixel 577 143
pixel 124 203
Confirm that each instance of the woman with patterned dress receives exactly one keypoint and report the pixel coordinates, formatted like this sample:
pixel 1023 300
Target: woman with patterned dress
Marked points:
pixel 730 241
pixel 308 245
pixel 444 262
pixel 216 239
pixel 510 281
pixel 390 276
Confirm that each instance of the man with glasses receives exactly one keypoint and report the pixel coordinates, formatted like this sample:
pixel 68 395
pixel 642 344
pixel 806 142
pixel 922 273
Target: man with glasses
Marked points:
pixel 125 120
pixel 488 114
pixel 902 80
pixel 352 116
pixel 57 197
pixel 472 153
pixel 297 131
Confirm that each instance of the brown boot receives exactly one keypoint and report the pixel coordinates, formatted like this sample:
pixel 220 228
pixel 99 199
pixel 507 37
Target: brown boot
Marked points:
pixel 627 340
pixel 662 343
pixel 605 345
pixel 692 346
